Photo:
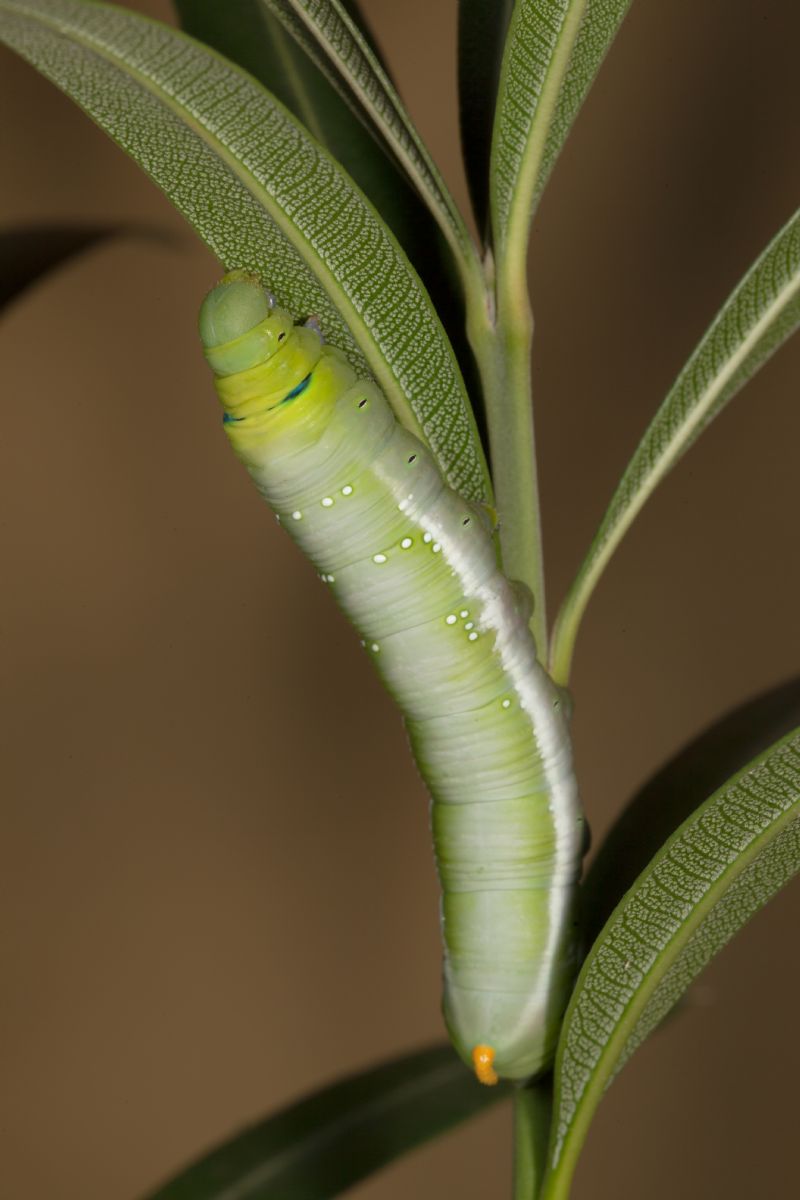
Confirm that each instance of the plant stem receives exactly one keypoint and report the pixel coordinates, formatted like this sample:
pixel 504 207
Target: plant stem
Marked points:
pixel 511 437
pixel 502 347
pixel 532 1112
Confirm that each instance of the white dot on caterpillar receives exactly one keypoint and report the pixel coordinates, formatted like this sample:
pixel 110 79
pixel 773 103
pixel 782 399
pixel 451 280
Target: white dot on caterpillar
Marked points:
pixel 297 515
pixel 379 558
pixel 473 637
pixel 347 490
pixel 436 547
pixel 470 625
pixel 330 578
pixel 327 502
pixel 406 542
pixel 375 647
pixel 278 517
pixel 451 620
pixel 427 537
pixel 506 704
pixel 464 612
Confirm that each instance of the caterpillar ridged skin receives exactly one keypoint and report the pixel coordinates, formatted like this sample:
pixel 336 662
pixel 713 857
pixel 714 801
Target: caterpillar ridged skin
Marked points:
pixel 413 565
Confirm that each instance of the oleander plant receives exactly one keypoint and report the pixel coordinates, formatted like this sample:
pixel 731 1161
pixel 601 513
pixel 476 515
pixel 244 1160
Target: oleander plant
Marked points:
pixel 372 359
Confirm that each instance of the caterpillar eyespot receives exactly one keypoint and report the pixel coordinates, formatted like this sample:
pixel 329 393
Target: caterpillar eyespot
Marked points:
pixel 450 638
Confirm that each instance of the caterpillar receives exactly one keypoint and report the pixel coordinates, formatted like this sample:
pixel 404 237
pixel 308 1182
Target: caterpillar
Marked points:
pixel 413 566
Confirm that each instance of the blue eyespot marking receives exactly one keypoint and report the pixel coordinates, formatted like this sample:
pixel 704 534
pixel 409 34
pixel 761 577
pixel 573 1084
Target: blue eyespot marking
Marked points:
pixel 228 417
pixel 301 387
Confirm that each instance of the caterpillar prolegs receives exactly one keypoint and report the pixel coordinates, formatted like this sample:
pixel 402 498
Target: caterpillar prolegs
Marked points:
pixel 414 568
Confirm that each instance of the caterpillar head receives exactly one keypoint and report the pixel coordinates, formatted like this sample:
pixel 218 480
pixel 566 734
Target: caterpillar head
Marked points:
pixel 240 325
pixel 277 382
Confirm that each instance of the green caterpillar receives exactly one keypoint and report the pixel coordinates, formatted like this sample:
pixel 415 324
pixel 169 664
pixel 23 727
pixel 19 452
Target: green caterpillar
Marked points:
pixel 414 568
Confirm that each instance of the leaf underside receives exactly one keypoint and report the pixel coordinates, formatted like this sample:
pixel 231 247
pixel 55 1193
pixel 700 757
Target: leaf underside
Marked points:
pixel 262 195
pixel 722 865
pixel 247 32
pixel 670 796
pixel 334 41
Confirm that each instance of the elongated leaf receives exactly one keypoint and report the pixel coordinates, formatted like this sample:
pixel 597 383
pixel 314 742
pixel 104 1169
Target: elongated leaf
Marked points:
pixel 482 28
pixel 674 792
pixel 718 869
pixel 29 252
pixel 553 51
pixel 324 1144
pixel 599 25
pixel 246 32
pixel 263 195
pixel 759 315
pixel 329 35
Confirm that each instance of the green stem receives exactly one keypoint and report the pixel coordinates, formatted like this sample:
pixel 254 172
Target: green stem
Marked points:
pixel 532 1113
pixel 503 351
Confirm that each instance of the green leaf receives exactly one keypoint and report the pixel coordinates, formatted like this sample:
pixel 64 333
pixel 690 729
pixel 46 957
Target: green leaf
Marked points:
pixel 263 195
pixel 599 24
pixel 335 42
pixel 760 314
pixel 676 790
pixel 329 1141
pixel 29 252
pixel 246 32
pixel 482 28
pixel 722 865
pixel 553 51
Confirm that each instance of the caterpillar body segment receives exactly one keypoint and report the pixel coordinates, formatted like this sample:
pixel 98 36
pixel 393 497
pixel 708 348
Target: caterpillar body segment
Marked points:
pixel 413 566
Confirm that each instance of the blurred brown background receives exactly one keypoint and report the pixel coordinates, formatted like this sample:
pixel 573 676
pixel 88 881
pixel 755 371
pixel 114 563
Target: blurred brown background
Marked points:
pixel 216 877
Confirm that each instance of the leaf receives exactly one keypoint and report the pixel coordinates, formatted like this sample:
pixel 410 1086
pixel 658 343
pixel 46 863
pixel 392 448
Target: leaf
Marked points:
pixel 722 865
pixel 758 316
pixel 334 41
pixel 676 790
pixel 262 195
pixel 246 32
pixel 30 251
pixel 599 25
pixel 553 51
pixel 482 28
pixel 333 1138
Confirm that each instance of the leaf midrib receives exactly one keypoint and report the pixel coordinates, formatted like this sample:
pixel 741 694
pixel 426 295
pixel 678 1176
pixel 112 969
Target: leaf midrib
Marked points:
pixel 512 241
